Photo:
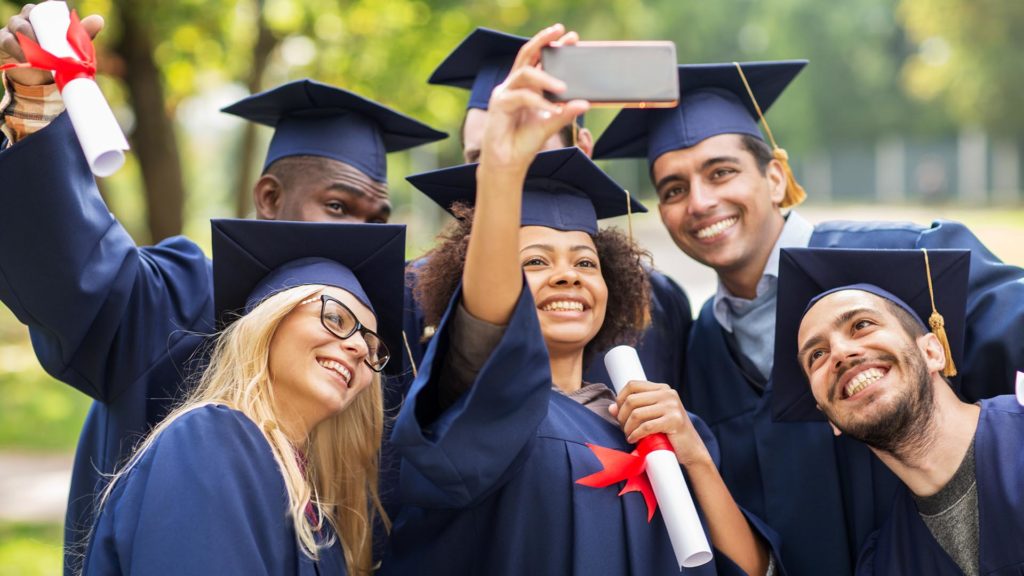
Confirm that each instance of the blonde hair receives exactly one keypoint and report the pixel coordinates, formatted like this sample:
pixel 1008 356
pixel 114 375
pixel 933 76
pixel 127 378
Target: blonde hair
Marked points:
pixel 342 452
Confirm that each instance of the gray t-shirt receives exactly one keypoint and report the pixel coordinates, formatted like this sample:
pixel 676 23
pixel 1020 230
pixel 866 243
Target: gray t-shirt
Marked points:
pixel 951 515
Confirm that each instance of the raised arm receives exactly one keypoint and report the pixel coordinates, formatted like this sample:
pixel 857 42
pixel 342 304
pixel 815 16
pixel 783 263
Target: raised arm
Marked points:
pixel 101 311
pixel 519 121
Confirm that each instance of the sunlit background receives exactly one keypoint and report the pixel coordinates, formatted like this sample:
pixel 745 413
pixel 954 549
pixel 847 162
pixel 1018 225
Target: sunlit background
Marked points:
pixel 908 110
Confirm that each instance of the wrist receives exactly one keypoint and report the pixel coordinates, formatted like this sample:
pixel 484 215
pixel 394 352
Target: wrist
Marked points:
pixel 698 462
pixel 496 173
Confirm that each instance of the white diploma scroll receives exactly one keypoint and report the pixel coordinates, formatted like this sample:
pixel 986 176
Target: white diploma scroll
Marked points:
pixel 684 529
pixel 98 133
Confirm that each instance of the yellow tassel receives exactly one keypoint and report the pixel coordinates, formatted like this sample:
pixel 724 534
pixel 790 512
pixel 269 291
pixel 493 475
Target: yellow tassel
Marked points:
pixel 938 324
pixel 795 193
pixel 408 352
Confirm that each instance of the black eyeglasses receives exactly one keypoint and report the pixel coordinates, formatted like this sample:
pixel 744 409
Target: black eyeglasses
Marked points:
pixel 339 320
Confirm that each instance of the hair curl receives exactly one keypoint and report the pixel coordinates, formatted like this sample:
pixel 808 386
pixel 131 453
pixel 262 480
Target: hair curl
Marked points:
pixel 623 266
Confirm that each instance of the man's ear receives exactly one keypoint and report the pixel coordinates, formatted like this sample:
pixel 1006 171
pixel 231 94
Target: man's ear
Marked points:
pixel 585 141
pixel 933 351
pixel 267 197
pixel 776 176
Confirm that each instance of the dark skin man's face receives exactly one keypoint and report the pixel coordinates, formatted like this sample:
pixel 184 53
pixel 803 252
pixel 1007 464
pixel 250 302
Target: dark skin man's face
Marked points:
pixel 314 189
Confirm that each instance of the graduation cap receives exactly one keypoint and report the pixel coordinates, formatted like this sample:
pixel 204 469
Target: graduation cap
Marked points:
pixel 479 63
pixel 314 119
pixel 931 285
pixel 713 99
pixel 254 259
pixel 563 190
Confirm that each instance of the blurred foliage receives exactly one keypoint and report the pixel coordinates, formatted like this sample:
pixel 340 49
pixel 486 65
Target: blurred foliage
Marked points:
pixel 968 59
pixel 918 68
pixel 30 549
pixel 39 413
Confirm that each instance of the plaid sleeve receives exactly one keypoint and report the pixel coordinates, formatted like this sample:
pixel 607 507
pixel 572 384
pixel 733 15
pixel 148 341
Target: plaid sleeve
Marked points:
pixel 27 109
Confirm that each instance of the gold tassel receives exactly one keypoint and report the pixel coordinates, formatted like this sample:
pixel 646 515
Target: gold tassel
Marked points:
pixel 938 323
pixel 408 352
pixel 795 193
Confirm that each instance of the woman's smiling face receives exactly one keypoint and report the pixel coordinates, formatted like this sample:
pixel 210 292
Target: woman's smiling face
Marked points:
pixel 314 373
pixel 564 274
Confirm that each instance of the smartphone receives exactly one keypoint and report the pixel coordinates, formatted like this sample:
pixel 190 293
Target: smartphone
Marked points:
pixel 630 74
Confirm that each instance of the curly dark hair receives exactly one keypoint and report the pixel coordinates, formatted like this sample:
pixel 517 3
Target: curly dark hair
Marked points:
pixel 623 265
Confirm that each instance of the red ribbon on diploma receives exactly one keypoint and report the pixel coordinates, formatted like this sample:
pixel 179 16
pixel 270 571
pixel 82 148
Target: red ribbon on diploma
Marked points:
pixel 619 466
pixel 64 69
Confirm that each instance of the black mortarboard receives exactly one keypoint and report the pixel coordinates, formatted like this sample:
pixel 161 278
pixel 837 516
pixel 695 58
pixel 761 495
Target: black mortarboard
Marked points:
pixel 713 100
pixel 254 259
pixel 901 276
pixel 314 119
pixel 479 63
pixel 564 190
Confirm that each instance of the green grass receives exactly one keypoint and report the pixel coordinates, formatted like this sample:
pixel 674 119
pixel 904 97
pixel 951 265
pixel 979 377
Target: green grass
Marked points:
pixel 30 549
pixel 39 413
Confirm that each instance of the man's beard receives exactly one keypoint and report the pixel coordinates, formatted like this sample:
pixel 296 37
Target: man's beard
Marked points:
pixel 902 429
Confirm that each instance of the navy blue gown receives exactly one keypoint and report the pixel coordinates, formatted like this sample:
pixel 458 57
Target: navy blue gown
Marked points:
pixel 905 546
pixel 120 323
pixel 488 484
pixel 825 495
pixel 117 322
pixel 207 497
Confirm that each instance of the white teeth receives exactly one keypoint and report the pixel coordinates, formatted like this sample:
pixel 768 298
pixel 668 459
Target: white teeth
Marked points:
pixel 337 367
pixel 716 228
pixel 863 380
pixel 563 305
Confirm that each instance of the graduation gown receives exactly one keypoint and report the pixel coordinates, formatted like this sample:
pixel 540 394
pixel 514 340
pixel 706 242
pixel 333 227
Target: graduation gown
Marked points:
pixel 117 322
pixel 825 495
pixel 662 347
pixel 488 485
pixel 904 545
pixel 206 498
pixel 120 323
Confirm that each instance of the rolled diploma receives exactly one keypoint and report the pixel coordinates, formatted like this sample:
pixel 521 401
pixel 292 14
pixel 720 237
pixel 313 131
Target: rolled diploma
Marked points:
pixel 684 529
pixel 98 133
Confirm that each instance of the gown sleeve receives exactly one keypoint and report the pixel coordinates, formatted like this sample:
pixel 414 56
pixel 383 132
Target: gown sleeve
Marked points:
pixel 723 565
pixel 455 456
pixel 993 350
pixel 671 323
pixel 100 310
pixel 207 498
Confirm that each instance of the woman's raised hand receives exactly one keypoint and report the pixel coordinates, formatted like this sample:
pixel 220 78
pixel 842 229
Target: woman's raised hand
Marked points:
pixel 520 119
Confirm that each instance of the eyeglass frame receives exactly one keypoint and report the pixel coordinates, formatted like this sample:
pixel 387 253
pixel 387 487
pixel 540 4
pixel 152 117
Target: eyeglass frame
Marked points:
pixel 359 327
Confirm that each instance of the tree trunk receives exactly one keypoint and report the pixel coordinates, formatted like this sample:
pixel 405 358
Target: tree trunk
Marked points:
pixel 244 180
pixel 154 139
